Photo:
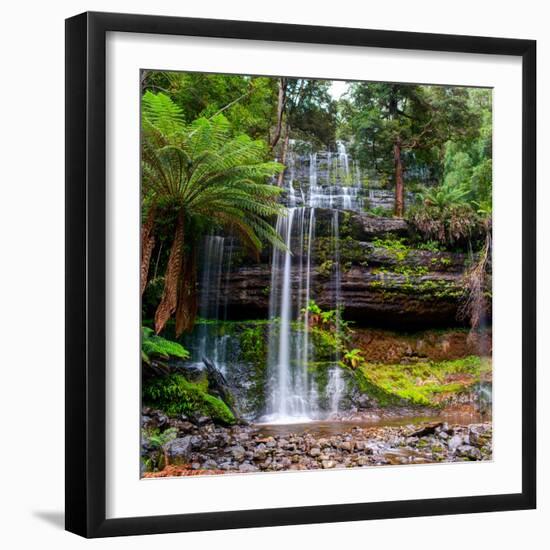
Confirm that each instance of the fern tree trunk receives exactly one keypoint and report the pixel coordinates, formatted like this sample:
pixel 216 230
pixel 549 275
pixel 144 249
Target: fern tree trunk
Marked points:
pixel 186 310
pixel 147 246
pixel 172 277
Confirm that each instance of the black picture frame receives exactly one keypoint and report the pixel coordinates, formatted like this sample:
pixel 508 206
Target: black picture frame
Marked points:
pixel 86 274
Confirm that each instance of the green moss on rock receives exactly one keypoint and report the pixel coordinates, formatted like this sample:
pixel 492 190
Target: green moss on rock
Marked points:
pixel 153 346
pixel 426 384
pixel 175 395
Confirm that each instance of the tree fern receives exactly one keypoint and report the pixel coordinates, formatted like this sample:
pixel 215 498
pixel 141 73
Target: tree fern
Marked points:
pixel 209 176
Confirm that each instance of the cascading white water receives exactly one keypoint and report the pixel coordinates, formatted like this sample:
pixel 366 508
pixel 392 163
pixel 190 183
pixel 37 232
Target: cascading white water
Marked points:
pixel 335 389
pixel 208 343
pixel 293 395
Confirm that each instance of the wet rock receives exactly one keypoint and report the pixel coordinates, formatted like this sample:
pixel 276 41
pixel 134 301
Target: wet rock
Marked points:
pixel 455 442
pixel 260 452
pixel 426 430
pixel 238 453
pixel 210 465
pixel 363 401
pixel 346 446
pixel 479 435
pixel 247 468
pixel 145 420
pixel 469 452
pixel 314 452
pixel 179 450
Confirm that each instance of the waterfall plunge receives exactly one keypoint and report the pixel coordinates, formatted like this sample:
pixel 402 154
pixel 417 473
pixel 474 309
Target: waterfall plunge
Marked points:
pixel 293 396
pixel 207 342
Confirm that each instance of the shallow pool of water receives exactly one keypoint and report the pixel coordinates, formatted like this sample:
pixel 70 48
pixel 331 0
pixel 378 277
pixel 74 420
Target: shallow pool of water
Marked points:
pixel 323 428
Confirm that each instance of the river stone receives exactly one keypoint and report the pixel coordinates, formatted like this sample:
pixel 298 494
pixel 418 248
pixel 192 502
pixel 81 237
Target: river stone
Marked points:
pixel 455 442
pixel 238 452
pixel 478 436
pixel 179 449
pixel 371 448
pixel 346 446
pixel 470 452
pixel 210 465
pixel 315 452
pixel 145 420
pixel 246 468
pixel 260 452
pixel 328 464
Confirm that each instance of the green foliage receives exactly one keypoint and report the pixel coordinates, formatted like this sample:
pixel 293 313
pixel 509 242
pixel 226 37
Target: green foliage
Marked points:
pixel 380 211
pixel 395 245
pixel 468 162
pixel 325 269
pixel 313 308
pixel 157 347
pixel 431 246
pixel 157 439
pixel 175 395
pixel 201 176
pixel 444 196
pixel 410 271
pixel 247 102
pixel 252 343
pixel 329 331
pixel 421 118
pixel 457 225
pixel 311 112
pixel 353 358
pixel 425 384
pixel 203 169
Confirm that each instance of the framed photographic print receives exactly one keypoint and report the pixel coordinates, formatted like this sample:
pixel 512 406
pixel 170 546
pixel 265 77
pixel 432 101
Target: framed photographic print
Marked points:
pixel 300 274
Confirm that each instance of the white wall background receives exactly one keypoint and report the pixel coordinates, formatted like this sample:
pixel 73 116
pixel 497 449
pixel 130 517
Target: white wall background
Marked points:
pixel 31 288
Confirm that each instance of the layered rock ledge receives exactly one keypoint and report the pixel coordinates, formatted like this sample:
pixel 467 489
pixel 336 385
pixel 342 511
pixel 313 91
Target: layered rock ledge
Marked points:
pixel 386 278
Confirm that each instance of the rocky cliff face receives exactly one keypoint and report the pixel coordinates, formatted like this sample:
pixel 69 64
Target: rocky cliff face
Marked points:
pixel 386 279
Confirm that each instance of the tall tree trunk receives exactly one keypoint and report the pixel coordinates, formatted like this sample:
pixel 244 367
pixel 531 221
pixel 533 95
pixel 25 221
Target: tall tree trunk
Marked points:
pixel 281 99
pixel 399 188
pixel 147 246
pixel 172 277
pixel 281 176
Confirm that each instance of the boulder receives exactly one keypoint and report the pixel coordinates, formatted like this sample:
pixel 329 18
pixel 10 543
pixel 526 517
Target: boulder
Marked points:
pixel 179 450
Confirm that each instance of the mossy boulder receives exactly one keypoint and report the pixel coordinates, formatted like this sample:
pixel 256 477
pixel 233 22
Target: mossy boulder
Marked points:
pixel 429 384
pixel 175 395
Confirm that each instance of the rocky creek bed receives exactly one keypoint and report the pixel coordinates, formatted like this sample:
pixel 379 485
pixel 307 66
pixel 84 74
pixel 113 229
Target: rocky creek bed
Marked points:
pixel 201 447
